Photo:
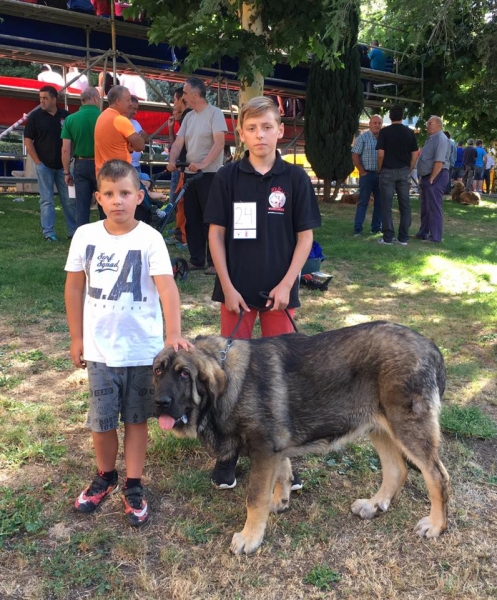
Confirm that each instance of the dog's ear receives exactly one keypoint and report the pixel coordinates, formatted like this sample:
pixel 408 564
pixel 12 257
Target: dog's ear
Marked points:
pixel 212 380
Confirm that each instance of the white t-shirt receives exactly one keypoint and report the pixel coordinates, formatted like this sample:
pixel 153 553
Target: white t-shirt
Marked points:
pixel 51 77
pixel 122 323
pixel 135 84
pixel 198 129
pixel 135 156
pixel 80 84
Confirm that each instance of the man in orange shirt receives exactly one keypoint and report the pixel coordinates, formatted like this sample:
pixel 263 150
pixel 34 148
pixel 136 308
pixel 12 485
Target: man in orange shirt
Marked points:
pixel 115 136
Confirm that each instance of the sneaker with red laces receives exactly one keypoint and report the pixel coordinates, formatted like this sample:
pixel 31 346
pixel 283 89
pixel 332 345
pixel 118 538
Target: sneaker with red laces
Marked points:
pixel 97 491
pixel 135 506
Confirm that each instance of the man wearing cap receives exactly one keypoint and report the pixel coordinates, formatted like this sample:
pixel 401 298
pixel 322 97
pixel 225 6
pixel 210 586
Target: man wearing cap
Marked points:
pixel 468 165
pixel 78 141
pixel 433 173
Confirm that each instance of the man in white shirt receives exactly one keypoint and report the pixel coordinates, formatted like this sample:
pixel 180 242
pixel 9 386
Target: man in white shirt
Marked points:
pixel 202 133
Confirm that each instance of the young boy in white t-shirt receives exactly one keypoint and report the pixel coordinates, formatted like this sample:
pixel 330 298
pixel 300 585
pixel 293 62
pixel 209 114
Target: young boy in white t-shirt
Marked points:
pixel 118 276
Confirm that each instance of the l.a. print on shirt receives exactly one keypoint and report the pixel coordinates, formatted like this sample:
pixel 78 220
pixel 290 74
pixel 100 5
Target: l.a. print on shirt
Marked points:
pixel 277 201
pixel 128 277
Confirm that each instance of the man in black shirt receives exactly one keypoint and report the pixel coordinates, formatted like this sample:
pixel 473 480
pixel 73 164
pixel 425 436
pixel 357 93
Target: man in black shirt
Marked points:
pixel 397 155
pixel 44 145
pixel 468 165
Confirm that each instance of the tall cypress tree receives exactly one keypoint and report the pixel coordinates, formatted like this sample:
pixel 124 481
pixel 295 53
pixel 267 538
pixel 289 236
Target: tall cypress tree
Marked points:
pixel 334 102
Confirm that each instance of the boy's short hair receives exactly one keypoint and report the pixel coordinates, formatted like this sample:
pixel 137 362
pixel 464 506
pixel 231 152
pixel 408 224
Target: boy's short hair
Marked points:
pixel 115 170
pixel 258 106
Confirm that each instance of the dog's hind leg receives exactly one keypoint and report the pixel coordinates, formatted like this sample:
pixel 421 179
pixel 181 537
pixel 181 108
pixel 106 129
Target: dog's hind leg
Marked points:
pixel 282 487
pixel 437 482
pixel 394 475
pixel 420 446
pixel 262 478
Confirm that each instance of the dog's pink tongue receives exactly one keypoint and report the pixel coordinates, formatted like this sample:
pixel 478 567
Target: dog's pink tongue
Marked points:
pixel 166 422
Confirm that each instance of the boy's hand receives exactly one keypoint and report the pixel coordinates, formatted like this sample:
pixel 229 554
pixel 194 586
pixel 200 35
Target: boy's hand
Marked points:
pixel 233 301
pixel 177 342
pixel 281 297
pixel 76 352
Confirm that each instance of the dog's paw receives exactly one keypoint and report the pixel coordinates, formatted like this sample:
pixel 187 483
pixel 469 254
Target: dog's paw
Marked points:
pixel 240 544
pixel 427 529
pixel 366 509
pixel 279 505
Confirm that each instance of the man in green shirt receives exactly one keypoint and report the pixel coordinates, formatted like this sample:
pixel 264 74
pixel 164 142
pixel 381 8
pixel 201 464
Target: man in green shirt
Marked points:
pixel 78 141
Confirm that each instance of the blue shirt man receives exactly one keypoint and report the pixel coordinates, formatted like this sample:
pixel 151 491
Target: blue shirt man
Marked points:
pixel 365 159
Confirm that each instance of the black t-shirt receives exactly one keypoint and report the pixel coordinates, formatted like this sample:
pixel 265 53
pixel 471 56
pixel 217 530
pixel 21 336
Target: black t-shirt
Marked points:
pixel 469 156
pixel 398 142
pixel 45 129
pixel 285 205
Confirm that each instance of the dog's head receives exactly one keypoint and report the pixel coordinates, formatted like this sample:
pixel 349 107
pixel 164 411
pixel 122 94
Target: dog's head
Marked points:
pixel 186 383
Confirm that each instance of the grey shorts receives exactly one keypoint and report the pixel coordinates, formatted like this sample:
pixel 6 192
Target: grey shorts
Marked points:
pixel 125 392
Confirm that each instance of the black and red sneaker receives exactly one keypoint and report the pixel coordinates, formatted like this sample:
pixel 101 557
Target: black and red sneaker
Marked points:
pixel 99 488
pixel 135 506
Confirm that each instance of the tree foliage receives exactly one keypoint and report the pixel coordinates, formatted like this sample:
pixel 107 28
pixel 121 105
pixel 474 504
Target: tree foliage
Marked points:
pixel 334 104
pixel 453 40
pixel 211 29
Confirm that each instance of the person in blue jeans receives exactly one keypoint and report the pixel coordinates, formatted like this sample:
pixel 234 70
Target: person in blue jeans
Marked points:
pixel 365 159
pixel 44 146
pixel 397 155
pixel 78 142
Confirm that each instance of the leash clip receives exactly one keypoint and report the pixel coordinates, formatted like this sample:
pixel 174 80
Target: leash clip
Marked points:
pixel 224 352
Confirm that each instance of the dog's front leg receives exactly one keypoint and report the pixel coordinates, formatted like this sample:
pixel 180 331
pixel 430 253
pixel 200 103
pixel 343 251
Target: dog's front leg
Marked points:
pixel 261 483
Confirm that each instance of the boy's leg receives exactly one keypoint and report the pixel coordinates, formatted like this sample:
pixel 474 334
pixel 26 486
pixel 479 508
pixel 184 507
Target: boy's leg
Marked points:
pixel 223 475
pixel 105 444
pixel 137 407
pixel 181 221
pixel 276 323
pixel 229 320
pixel 135 448
pixel 103 420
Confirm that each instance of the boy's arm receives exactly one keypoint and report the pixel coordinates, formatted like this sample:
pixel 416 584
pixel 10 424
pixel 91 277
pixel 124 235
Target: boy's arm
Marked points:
pixel 73 295
pixel 281 293
pixel 171 307
pixel 232 298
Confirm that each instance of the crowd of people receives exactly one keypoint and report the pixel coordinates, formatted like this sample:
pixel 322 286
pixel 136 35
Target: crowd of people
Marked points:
pixel 388 159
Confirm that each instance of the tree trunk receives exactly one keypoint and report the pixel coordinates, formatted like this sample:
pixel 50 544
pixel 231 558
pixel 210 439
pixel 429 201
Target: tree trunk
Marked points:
pixel 250 20
pixel 326 191
pixel 336 190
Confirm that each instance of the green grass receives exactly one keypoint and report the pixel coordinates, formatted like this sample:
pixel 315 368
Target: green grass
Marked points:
pixel 447 292
pixel 468 421
pixel 322 577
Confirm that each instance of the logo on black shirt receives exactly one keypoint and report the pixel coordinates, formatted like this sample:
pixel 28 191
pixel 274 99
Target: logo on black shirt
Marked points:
pixel 277 200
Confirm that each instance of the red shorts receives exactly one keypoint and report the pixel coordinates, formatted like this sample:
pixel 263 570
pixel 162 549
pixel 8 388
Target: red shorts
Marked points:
pixel 272 323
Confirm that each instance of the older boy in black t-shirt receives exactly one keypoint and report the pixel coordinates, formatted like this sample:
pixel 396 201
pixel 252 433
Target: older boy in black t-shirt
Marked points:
pixel 261 212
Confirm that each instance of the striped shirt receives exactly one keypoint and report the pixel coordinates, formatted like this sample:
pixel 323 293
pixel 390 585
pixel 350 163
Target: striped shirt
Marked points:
pixel 365 147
